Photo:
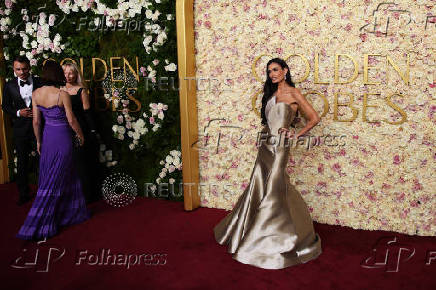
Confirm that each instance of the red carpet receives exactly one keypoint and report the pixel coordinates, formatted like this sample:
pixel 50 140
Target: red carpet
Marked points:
pixel 193 259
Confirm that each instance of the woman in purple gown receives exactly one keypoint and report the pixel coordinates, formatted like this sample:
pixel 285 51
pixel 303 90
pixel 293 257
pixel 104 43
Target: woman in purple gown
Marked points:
pixel 59 201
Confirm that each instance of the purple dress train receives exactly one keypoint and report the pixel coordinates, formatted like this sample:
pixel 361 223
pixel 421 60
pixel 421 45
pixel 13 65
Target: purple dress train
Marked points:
pixel 59 201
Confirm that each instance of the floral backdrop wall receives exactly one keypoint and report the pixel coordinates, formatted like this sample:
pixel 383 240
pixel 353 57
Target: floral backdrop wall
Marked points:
pixel 368 68
pixel 127 52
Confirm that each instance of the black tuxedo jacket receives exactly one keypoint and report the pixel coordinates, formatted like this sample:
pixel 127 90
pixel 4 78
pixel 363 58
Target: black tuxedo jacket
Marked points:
pixel 12 102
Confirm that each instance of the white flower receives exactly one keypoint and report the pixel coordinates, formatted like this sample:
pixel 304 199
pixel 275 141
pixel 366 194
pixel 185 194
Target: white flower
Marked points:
pixel 147 40
pixel 121 130
pixel 51 19
pixel 171 67
pixel 161 38
pixel 162 174
pixel 155 127
pixel 169 159
pixel 171 180
pixel 176 161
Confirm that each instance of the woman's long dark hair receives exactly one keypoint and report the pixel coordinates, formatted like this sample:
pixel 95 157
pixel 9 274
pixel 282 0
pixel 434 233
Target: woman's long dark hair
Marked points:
pixel 52 74
pixel 270 88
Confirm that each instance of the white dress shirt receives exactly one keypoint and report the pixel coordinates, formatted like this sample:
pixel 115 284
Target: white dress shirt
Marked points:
pixel 26 92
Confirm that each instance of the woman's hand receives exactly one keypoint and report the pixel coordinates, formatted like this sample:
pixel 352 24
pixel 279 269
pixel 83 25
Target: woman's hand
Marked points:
pixel 38 148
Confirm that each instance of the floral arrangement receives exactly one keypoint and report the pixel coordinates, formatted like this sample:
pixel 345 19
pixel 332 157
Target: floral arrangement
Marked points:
pixel 169 174
pixel 383 176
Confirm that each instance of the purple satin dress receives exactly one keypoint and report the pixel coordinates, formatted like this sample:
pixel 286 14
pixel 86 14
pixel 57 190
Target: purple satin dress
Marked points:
pixel 59 201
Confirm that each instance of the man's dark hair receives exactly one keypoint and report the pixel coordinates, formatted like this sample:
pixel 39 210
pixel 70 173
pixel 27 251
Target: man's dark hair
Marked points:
pixel 22 59
pixel 52 74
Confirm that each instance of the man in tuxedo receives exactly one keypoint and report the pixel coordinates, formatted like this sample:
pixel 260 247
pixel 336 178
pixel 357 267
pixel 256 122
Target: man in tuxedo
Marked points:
pixel 17 102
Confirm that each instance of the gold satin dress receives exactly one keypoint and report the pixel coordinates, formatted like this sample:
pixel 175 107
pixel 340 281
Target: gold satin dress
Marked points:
pixel 270 226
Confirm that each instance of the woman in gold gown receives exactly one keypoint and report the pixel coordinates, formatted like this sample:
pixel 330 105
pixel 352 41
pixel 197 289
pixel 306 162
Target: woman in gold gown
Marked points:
pixel 270 226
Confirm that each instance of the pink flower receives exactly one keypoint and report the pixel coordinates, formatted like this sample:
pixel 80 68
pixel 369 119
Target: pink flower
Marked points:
pixel 151 120
pixel 363 36
pixel 244 185
pixel 417 186
pixel 371 196
pixel 355 162
pixel 400 196
pixel 214 191
pixel 207 24
pixel 397 160
pixel 404 213
pixel 370 174
pixel 321 168
pixel 8 4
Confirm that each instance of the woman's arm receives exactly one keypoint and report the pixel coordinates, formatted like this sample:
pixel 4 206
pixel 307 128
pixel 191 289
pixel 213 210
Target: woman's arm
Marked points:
pixel 309 112
pixel 36 122
pixel 87 110
pixel 65 97
pixel 85 99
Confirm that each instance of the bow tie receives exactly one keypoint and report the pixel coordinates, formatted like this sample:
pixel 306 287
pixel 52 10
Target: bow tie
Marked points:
pixel 22 83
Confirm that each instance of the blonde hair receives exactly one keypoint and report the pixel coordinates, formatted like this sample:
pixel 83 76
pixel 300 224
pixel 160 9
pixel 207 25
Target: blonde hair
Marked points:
pixel 79 77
